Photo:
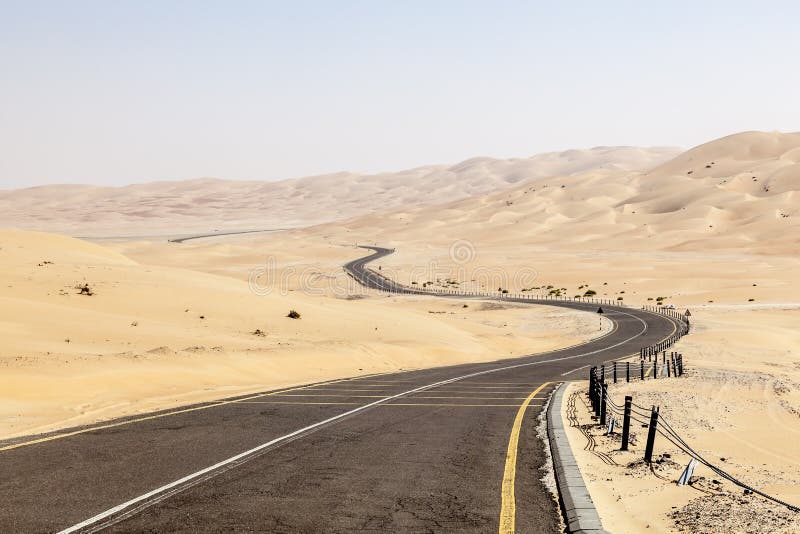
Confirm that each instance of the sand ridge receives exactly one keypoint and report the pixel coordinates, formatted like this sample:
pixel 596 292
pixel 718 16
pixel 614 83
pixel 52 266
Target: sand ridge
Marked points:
pixel 208 204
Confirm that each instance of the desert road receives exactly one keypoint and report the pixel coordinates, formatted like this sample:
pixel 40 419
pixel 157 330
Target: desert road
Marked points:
pixel 450 449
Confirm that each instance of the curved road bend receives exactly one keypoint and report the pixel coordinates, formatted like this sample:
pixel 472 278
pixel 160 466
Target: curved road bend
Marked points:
pixel 450 449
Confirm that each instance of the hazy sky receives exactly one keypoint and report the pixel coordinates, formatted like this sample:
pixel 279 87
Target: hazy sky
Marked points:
pixel 115 92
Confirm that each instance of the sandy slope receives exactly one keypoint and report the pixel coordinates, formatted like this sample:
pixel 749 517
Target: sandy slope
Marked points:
pixel 738 194
pixel 738 405
pixel 207 204
pixel 716 234
pixel 153 337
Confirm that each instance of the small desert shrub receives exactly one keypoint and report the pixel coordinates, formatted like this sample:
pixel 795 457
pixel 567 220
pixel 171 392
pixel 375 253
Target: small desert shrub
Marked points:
pixel 293 314
pixel 259 332
pixel 84 290
pixel 504 291
pixel 619 298
pixel 590 293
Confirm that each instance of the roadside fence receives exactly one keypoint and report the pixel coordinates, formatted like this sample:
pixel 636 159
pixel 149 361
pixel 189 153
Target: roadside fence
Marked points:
pixel 657 425
pixel 385 283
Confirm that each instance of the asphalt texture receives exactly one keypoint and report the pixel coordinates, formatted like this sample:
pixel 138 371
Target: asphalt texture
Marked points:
pixel 428 461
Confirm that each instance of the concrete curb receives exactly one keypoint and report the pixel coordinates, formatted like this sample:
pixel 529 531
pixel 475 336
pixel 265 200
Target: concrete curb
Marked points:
pixel 577 506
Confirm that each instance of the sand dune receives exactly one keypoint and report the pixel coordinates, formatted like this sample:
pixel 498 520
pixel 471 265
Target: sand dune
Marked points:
pixel 736 193
pixel 207 204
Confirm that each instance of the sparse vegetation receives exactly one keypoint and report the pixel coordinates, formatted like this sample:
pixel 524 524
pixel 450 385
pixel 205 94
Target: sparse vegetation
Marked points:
pixel 259 332
pixel 84 290
pixel 590 293
pixel 619 298
pixel 293 314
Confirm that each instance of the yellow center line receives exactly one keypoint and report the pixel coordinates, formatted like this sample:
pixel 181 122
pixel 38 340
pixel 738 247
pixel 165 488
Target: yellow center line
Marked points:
pixel 151 417
pixel 508 506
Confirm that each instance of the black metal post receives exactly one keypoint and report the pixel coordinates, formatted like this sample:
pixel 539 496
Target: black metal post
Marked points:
pixel 615 372
pixel 651 436
pixel 603 396
pixel 598 389
pixel 626 423
pixel 627 371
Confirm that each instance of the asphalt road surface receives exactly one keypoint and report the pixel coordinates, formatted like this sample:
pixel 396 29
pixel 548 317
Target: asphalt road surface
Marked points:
pixel 450 449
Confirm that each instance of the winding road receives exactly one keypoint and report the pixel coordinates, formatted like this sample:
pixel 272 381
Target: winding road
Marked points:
pixel 449 449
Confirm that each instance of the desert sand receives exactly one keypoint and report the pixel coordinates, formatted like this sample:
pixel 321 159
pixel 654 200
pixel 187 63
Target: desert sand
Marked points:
pixel 713 229
pixel 153 337
pixel 208 204
pixel 738 406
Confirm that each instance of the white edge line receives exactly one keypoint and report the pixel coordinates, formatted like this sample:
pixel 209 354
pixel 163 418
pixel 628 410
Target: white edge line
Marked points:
pixel 616 311
pixel 232 459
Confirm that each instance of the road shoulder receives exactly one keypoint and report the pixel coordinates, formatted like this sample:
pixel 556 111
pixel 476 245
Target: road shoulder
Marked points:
pixel 576 503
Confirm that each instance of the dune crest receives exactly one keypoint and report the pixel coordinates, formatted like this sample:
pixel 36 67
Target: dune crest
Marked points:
pixel 738 191
pixel 208 204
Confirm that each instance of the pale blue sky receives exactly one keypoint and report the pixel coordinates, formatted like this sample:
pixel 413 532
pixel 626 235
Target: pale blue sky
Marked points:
pixel 114 92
